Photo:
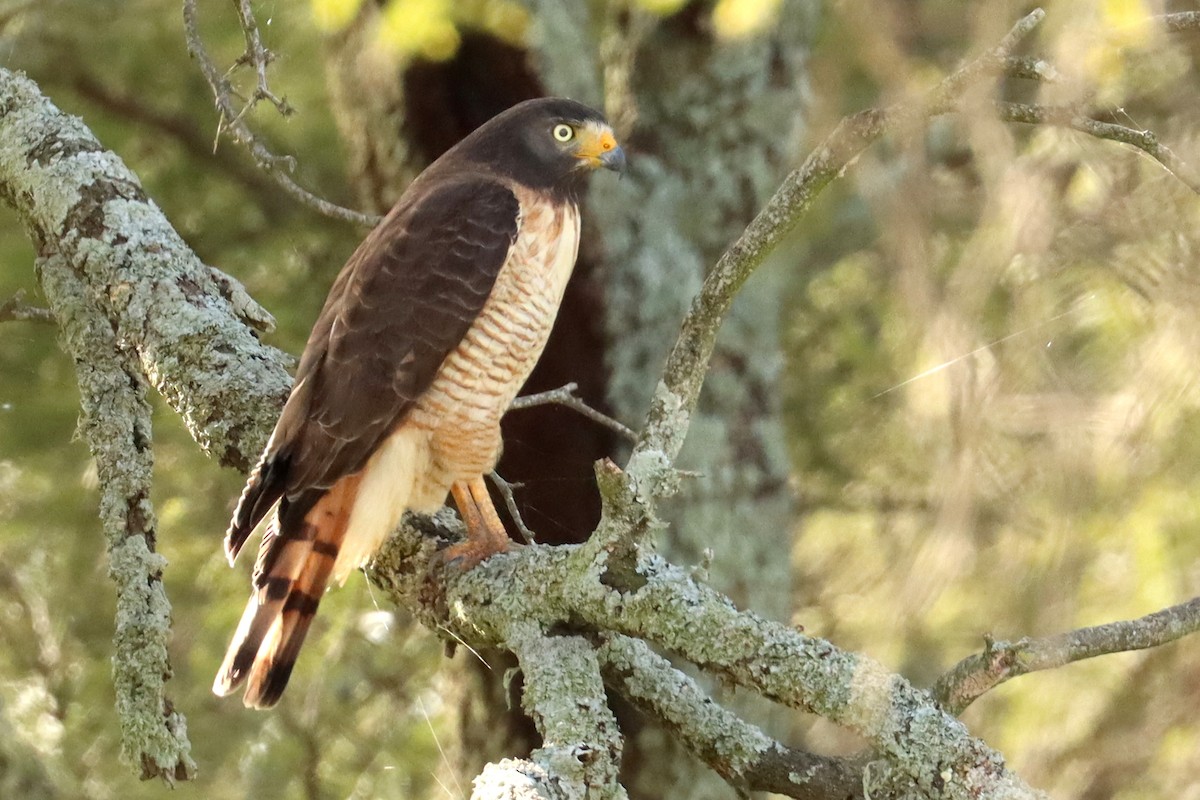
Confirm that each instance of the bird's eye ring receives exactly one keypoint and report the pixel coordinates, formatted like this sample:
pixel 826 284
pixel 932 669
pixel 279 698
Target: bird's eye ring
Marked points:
pixel 563 132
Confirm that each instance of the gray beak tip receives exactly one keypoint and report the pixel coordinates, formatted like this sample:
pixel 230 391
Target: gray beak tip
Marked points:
pixel 614 159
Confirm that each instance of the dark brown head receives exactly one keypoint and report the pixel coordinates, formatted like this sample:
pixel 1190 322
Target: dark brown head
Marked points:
pixel 550 143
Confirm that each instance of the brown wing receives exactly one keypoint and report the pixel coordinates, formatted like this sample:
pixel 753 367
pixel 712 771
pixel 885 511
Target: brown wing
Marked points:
pixel 402 303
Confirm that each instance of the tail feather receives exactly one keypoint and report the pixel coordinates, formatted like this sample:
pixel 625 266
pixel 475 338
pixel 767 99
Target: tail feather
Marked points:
pixel 293 571
pixel 263 490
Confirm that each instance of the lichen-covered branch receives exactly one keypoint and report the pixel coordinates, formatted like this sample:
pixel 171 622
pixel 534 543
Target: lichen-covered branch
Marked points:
pixel 975 675
pixel 564 586
pixel 233 122
pixel 1180 21
pixel 188 325
pixel 739 752
pixel 564 694
pixel 134 302
pixel 116 423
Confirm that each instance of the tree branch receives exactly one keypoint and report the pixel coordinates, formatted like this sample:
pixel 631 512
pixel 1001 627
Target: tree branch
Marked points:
pixel 116 424
pixel 999 662
pixel 739 752
pixel 1180 21
pixel 258 57
pixel 550 588
pixel 510 502
pixel 15 309
pixel 581 743
pixel 186 323
pixel 566 396
pixel 232 122
pixel 650 474
pixel 1061 116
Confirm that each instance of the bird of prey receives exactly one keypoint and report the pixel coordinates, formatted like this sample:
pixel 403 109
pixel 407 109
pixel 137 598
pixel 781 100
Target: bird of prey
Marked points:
pixel 428 333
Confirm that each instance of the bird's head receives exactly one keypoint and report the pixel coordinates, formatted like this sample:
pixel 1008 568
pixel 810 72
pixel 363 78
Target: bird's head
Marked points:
pixel 549 143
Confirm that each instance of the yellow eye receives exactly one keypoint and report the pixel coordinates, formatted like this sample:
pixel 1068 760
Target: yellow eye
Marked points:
pixel 564 133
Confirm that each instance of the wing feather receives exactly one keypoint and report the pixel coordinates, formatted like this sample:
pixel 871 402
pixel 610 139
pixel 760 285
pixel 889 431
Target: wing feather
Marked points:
pixel 402 303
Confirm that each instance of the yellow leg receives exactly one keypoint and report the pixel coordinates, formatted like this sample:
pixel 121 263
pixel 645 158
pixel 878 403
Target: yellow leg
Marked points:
pixel 485 532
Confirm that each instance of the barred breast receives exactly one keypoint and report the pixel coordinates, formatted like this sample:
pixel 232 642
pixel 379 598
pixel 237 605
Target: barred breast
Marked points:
pixel 461 410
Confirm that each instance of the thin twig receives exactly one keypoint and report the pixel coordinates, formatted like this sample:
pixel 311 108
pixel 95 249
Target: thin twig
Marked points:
pixel 1066 117
pixel 183 131
pixel 259 57
pixel 565 396
pixel 1034 69
pixel 975 675
pixel 510 501
pixel 15 309
pixel 1180 21
pixel 231 122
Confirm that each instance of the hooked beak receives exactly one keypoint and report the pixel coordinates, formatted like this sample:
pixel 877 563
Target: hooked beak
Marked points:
pixel 599 148
pixel 614 159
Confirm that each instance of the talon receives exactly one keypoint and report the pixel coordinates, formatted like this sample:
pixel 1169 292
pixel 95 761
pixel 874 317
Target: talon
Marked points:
pixel 486 535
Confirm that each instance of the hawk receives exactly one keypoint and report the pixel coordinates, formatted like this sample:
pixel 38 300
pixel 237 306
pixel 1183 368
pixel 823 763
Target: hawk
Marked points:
pixel 428 333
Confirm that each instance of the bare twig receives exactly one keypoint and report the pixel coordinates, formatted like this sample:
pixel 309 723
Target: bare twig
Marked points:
pixel 15 309
pixel 1180 21
pixel 259 57
pixel 231 121
pixel 740 753
pixel 1066 117
pixel 1034 69
pixel 510 501
pixel 1002 661
pixel 183 131
pixel 565 396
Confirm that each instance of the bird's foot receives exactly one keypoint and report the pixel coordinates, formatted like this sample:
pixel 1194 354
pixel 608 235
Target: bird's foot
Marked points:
pixel 486 535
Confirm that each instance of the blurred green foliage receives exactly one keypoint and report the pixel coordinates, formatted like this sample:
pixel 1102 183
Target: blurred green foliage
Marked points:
pixel 993 387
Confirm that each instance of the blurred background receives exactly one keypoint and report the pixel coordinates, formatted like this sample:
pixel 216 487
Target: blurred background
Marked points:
pixel 961 400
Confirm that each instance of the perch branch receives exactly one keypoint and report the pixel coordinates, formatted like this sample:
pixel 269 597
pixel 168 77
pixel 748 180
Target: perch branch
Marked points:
pixel 15 309
pixel 975 675
pixel 232 122
pixel 552 587
pixel 566 396
pixel 748 759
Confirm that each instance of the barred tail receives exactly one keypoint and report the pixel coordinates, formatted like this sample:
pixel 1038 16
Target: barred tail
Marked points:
pixel 294 566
